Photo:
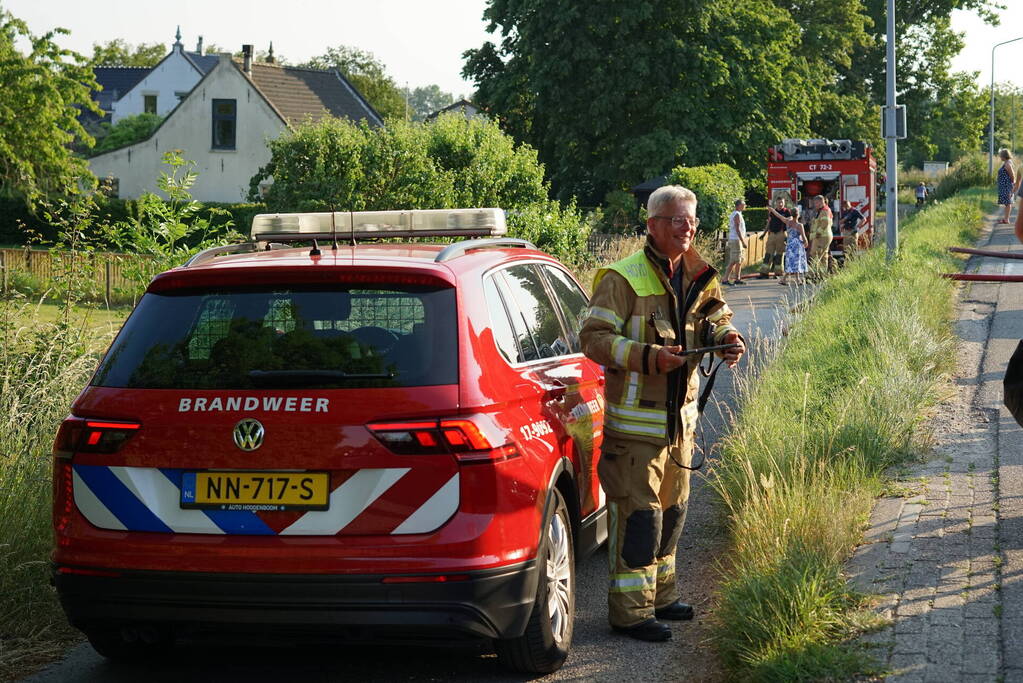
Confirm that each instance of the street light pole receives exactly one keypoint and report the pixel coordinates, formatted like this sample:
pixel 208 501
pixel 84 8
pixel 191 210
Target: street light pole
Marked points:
pixel 991 132
pixel 891 148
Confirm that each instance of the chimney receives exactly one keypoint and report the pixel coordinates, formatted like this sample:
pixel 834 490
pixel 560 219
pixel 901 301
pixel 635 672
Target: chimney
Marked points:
pixel 247 59
pixel 198 46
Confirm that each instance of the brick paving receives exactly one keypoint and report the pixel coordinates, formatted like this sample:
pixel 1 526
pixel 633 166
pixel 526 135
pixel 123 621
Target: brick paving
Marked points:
pixel 945 558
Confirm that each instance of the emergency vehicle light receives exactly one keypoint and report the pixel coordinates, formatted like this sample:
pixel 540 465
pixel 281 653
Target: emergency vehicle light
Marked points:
pixel 346 225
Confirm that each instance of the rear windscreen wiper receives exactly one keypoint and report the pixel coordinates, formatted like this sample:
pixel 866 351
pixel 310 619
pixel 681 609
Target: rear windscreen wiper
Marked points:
pixel 300 377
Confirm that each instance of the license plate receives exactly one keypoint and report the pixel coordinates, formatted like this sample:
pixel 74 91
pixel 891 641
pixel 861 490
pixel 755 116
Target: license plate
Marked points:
pixel 255 491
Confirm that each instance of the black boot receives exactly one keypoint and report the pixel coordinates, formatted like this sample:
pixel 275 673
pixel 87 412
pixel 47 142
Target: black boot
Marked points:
pixel 676 611
pixel 650 630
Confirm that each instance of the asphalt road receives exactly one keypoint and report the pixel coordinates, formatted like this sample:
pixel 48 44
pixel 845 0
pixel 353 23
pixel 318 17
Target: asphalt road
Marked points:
pixel 597 654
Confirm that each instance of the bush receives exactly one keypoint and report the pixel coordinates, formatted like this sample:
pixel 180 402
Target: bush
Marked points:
pixel 756 217
pixel 559 231
pixel 127 131
pixel 621 214
pixel 450 162
pixel 970 171
pixel 19 226
pixel 716 186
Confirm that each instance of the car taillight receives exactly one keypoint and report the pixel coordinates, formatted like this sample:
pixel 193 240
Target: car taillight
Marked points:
pixel 78 435
pixel 460 437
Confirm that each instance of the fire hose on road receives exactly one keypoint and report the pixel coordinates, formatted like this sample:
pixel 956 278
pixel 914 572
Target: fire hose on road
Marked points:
pixel 983 277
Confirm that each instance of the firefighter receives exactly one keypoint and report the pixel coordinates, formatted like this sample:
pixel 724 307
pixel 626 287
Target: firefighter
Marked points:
pixel 645 310
pixel 775 248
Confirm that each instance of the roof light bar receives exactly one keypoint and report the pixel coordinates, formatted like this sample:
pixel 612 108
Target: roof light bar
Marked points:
pixel 379 224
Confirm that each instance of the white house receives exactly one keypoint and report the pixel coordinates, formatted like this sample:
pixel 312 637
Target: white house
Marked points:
pixel 166 84
pixel 224 122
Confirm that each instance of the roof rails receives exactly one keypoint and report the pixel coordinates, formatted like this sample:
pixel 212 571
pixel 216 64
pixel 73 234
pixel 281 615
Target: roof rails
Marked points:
pixel 213 252
pixel 459 248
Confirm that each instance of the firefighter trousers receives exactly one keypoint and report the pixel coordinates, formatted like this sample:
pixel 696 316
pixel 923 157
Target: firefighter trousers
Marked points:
pixel 647 495
pixel 773 251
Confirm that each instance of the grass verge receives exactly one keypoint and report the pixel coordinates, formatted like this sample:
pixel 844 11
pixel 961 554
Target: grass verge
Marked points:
pixel 839 401
pixel 45 360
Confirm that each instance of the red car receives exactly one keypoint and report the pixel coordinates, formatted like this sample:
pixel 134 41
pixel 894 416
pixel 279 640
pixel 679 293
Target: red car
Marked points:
pixel 381 441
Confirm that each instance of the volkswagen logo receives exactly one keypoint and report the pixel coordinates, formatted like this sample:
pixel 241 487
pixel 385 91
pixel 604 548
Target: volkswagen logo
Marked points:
pixel 248 434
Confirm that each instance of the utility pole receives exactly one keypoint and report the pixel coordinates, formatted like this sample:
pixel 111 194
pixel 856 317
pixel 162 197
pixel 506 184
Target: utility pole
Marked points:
pixel 991 130
pixel 891 146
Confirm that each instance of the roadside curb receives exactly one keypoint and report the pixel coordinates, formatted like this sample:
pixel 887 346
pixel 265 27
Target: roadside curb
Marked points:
pixel 937 557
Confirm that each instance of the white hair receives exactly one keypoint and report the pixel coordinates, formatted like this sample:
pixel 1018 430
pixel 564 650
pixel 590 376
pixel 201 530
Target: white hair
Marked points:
pixel 667 194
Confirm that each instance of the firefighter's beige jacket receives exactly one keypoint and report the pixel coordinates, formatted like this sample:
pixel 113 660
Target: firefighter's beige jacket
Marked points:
pixel 633 313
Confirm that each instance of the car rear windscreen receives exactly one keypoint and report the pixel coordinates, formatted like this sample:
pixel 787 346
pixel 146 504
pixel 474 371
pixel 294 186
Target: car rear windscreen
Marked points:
pixel 338 337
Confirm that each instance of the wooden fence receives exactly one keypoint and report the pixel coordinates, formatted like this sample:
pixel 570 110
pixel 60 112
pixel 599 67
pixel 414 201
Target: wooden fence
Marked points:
pixel 602 244
pixel 104 271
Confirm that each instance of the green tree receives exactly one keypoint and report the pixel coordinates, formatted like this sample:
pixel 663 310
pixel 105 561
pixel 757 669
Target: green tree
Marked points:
pixel 451 162
pixel 427 99
pixel 1008 116
pixel 118 52
pixel 612 93
pixel 127 131
pixel 367 74
pixel 43 93
pixel 339 165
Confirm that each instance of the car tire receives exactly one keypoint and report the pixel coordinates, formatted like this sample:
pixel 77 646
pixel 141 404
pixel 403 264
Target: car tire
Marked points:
pixel 544 645
pixel 112 644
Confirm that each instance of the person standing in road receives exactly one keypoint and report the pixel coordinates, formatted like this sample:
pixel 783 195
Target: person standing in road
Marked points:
pixel 737 244
pixel 1006 183
pixel 795 250
pixel 775 247
pixel 921 194
pixel 850 223
pixel 645 310
pixel 820 236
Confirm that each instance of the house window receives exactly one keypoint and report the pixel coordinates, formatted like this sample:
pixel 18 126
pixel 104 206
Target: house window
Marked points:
pixel 224 123
pixel 149 104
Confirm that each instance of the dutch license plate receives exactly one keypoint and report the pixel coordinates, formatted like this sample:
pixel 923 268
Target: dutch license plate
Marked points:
pixel 255 491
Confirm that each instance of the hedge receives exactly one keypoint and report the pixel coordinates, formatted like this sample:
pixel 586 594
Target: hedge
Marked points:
pixel 717 186
pixel 18 225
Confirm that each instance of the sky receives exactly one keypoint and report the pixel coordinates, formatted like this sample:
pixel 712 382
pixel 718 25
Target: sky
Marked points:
pixel 419 41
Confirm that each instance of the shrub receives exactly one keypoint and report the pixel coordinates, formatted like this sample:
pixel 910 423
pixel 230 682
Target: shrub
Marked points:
pixel 716 186
pixel 970 171
pixel 451 162
pixel 560 231
pixel 756 217
pixel 127 131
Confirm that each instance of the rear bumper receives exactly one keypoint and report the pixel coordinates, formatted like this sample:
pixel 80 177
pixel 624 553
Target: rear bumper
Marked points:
pixel 492 603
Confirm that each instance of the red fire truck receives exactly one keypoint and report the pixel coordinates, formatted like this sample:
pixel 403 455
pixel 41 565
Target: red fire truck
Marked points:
pixel 838 170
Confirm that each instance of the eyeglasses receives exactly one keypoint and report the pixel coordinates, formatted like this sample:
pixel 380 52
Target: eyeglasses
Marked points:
pixel 679 221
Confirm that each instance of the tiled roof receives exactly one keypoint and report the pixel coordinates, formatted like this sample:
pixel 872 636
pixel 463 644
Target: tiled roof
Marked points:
pixel 204 63
pixel 298 93
pixel 116 81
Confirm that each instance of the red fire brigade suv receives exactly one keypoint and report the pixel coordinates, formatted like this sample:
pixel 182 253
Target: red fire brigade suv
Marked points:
pixel 367 440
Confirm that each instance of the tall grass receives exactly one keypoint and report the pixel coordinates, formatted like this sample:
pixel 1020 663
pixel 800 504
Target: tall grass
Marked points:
pixel 842 400
pixel 43 366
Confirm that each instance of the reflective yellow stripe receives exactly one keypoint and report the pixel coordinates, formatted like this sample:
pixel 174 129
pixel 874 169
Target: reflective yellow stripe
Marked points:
pixel 607 315
pixel 721 331
pixel 666 567
pixel 628 583
pixel 612 536
pixel 640 414
pixel 620 351
pixel 634 429
pixel 718 314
